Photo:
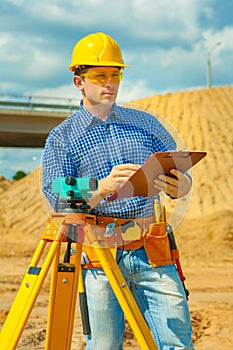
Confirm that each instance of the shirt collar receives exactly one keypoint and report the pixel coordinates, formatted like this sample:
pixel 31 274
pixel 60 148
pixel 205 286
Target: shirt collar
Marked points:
pixel 90 119
pixel 115 114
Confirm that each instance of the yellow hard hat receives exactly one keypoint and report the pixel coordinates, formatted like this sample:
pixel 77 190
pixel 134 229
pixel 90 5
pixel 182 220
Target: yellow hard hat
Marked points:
pixel 97 49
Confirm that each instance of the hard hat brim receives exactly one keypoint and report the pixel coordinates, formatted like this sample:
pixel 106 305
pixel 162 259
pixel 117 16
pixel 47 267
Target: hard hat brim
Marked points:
pixel 101 64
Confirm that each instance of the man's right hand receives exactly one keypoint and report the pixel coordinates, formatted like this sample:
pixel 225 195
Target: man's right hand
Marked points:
pixel 117 177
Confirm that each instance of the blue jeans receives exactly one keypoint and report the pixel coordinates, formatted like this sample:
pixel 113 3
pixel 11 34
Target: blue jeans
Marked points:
pixel 159 294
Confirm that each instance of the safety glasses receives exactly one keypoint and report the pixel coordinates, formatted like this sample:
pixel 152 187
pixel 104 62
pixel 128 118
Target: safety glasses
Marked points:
pixel 100 78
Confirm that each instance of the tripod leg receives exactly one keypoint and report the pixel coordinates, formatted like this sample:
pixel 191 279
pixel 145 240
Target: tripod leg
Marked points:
pixel 123 294
pixel 64 284
pixel 83 306
pixel 26 297
pixel 53 283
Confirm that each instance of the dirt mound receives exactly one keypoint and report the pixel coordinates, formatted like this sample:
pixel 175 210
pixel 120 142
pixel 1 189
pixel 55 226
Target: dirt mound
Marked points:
pixel 207 240
pixel 22 209
pixel 4 184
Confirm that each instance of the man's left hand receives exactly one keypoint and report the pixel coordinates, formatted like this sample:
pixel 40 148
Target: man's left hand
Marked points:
pixel 176 187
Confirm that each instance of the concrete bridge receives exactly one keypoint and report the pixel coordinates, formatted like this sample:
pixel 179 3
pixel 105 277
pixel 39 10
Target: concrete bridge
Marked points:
pixel 25 121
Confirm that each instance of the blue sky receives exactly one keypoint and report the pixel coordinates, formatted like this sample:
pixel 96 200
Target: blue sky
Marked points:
pixel 166 43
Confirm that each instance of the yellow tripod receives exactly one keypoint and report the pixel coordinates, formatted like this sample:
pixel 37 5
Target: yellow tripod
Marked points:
pixel 66 279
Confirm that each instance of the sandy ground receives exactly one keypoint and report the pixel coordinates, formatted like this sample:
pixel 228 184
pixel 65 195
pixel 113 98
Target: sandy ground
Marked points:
pixel 209 281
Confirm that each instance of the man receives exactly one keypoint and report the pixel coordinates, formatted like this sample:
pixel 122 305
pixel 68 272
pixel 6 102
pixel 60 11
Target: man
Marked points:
pixel 109 142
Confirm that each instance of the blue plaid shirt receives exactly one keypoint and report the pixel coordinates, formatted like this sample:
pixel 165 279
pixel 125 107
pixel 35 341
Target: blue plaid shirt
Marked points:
pixel 86 146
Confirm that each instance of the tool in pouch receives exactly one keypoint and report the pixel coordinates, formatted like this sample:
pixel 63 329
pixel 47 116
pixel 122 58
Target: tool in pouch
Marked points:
pixel 110 229
pixel 130 231
pixel 160 218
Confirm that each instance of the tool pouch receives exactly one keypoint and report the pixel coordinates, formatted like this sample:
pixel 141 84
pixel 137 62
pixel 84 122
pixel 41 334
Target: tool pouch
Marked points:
pixel 157 245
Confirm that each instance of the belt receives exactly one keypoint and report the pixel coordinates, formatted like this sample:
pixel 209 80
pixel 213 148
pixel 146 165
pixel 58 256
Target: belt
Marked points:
pixel 119 236
pixel 120 242
pixel 103 221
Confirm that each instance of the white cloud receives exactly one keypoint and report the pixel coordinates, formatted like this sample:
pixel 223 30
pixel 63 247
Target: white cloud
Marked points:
pixel 130 91
pixel 156 17
pixel 64 91
pixel 223 36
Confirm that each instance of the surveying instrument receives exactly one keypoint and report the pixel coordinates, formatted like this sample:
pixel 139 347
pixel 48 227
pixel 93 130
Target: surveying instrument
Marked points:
pixel 72 225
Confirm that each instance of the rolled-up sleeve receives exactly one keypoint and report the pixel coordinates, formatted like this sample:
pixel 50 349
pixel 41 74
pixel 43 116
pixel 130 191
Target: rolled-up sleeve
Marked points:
pixel 55 163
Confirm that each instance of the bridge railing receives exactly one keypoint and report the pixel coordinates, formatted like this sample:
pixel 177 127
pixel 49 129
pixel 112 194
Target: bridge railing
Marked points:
pixel 30 102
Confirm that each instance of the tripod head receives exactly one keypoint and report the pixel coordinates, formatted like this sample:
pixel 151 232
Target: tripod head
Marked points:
pixel 73 192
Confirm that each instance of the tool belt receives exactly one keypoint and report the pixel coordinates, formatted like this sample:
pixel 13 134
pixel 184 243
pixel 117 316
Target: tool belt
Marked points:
pixel 132 235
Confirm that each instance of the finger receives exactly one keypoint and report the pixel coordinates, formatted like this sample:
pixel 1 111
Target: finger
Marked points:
pixel 169 188
pixel 123 173
pixel 168 180
pixel 128 166
pixel 125 170
pixel 179 174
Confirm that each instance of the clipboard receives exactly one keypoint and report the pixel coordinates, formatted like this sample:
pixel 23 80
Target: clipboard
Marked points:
pixel 141 182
